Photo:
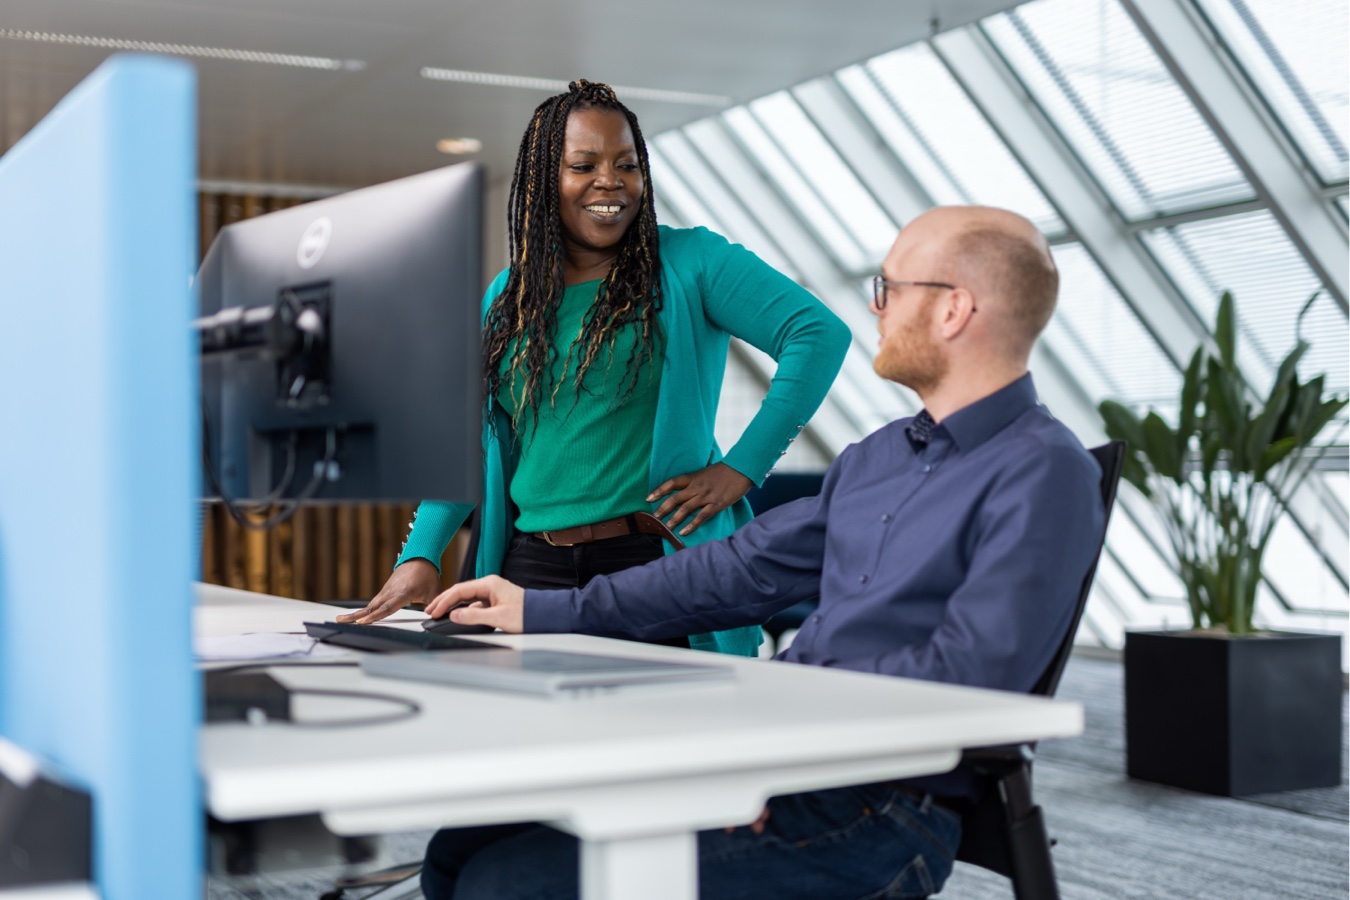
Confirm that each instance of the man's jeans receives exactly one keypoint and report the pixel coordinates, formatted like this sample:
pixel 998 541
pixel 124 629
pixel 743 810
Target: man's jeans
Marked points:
pixel 855 843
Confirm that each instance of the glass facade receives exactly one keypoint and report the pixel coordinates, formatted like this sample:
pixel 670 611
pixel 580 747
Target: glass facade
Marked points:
pixel 1294 55
pixel 1168 194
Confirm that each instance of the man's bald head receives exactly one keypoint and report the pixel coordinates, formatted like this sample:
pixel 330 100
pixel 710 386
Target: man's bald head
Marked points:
pixel 1001 258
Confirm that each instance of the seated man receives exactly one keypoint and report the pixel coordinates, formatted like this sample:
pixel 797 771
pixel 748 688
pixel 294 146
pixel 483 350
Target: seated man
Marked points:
pixel 950 547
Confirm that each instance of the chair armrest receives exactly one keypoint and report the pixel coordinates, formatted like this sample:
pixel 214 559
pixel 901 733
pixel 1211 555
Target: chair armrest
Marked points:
pixel 1001 760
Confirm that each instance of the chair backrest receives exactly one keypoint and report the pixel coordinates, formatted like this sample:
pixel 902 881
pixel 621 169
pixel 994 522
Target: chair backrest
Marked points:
pixel 780 489
pixel 1111 458
pixel 987 838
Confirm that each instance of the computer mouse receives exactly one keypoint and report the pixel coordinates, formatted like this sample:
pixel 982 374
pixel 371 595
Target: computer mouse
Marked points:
pixel 444 625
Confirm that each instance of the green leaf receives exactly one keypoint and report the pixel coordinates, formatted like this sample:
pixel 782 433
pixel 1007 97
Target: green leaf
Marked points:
pixel 1226 409
pixel 1304 401
pixel 1161 448
pixel 1265 427
pixel 1286 386
pixel 1136 474
pixel 1272 455
pixel 1310 412
pixel 1288 371
pixel 1318 419
pixel 1298 327
pixel 1210 449
pixel 1122 424
pixel 1225 330
pixel 1191 387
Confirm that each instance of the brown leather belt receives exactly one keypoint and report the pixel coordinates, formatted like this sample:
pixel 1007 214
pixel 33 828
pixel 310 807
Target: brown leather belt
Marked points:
pixel 633 523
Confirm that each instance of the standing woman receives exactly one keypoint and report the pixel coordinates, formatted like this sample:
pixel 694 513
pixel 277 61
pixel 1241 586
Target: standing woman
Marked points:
pixel 604 348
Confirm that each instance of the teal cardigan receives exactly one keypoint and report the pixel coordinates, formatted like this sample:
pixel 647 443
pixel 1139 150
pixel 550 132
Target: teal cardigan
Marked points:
pixel 711 289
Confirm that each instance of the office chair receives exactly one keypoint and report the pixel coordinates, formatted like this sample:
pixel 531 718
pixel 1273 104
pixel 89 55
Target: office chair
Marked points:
pixel 1005 831
pixel 776 490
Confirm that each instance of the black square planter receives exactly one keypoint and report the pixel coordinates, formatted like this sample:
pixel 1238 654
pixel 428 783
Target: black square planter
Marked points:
pixel 1233 716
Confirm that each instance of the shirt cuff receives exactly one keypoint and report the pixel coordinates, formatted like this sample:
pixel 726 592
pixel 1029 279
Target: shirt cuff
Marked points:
pixel 548 612
pixel 433 525
pixel 765 440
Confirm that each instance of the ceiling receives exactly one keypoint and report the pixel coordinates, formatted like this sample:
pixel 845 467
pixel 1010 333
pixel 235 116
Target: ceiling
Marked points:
pixel 352 127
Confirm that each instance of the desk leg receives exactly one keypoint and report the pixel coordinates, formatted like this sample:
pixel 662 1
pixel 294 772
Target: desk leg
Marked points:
pixel 664 867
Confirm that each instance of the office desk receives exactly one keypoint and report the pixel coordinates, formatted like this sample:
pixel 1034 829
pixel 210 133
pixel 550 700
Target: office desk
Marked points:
pixel 633 775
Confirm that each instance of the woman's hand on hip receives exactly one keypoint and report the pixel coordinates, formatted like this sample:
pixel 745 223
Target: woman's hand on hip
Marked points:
pixel 416 581
pixel 702 494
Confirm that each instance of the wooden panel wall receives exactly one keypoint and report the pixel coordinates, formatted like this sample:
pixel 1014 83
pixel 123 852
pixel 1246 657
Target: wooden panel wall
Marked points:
pixel 329 551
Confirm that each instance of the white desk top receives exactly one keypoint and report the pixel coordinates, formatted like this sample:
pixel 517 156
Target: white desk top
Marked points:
pixel 692 757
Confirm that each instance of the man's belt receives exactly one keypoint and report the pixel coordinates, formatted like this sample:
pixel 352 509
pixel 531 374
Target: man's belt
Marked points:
pixel 633 523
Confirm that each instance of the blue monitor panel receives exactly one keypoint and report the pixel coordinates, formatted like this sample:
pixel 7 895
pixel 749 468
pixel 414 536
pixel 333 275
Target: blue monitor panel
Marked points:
pixel 98 463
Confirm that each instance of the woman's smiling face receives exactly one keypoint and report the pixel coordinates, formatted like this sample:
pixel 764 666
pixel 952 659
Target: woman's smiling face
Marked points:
pixel 600 182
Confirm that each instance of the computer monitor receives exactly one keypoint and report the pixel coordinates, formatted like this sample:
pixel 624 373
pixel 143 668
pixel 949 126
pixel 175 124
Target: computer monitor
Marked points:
pixel 341 346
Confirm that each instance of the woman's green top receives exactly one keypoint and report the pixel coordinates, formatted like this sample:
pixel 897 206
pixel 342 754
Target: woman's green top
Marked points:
pixel 575 461
pixel 711 290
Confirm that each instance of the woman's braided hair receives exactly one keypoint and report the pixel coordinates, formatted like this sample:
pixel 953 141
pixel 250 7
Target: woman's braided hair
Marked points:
pixel 520 328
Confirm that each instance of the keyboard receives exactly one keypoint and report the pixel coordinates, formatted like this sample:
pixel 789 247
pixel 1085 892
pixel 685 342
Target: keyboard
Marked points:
pixel 383 639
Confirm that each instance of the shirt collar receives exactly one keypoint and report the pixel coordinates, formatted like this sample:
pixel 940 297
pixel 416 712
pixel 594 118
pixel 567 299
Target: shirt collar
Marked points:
pixel 972 425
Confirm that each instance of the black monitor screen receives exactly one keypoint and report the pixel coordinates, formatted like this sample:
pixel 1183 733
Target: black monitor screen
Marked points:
pixel 341 346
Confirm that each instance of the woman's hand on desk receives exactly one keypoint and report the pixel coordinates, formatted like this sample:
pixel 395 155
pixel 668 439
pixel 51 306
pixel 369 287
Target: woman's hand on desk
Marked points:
pixel 496 602
pixel 416 581
pixel 703 494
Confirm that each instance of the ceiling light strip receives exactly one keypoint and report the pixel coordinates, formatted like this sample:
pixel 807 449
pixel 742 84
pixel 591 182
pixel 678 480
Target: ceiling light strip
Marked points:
pixel 254 56
pixel 549 84
pixel 269 189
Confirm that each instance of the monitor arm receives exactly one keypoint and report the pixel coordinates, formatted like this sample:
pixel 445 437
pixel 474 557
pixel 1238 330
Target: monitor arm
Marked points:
pixel 294 331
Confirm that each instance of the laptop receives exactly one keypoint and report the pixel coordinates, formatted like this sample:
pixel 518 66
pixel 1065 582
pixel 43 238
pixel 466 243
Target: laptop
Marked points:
pixel 543 673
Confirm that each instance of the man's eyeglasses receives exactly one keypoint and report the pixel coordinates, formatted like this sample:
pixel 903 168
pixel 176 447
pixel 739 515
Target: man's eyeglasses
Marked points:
pixel 880 283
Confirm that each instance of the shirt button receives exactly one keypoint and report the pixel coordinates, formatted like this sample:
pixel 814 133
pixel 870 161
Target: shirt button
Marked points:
pixel 928 468
pixel 862 579
pixel 885 517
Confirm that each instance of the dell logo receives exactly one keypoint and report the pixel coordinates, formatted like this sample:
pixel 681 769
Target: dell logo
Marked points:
pixel 313 242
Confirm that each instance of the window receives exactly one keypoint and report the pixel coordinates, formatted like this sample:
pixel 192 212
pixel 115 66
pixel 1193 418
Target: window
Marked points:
pixel 671 189
pixel 1179 200
pixel 833 181
pixel 1115 103
pixel 1294 54
pixel 1250 255
pixel 940 136
pixel 732 221
pixel 814 211
pixel 1099 338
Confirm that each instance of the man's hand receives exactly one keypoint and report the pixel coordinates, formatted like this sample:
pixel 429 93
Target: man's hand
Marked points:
pixel 496 602
pixel 756 826
pixel 703 494
pixel 416 581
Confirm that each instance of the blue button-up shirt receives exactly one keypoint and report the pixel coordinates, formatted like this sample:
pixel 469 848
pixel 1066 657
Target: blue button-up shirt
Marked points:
pixel 959 561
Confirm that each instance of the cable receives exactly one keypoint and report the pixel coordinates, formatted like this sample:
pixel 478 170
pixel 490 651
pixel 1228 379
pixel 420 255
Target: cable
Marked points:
pixel 411 708
pixel 287 511
pixel 287 476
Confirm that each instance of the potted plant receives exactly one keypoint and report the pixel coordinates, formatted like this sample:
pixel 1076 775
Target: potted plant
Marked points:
pixel 1226 708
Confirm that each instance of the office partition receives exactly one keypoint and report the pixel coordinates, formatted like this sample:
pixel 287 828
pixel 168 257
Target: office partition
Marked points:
pixel 98 450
